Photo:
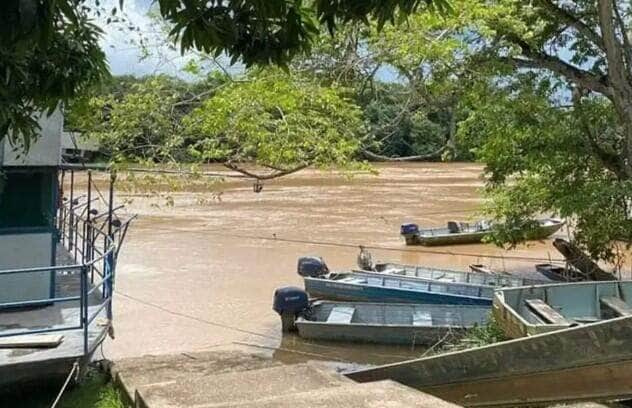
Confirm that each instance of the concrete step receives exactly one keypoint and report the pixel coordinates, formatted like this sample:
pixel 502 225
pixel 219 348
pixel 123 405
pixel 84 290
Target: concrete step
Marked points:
pixel 237 387
pixel 130 374
pixel 381 394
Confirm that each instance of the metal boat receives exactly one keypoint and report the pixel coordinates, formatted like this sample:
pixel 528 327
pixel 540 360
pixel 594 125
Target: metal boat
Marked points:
pixel 466 233
pixel 590 362
pixel 449 275
pixel 380 287
pixel 539 309
pixel 387 323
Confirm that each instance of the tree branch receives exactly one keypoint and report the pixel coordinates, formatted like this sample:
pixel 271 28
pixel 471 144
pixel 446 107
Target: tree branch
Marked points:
pixel 278 172
pixel 574 21
pixel 583 78
pixel 421 157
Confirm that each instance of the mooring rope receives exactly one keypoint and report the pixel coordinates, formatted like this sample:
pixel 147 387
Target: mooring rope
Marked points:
pixel 274 237
pixel 75 367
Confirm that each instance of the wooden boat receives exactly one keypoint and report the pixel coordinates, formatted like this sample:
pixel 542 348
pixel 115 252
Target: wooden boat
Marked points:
pixel 453 276
pixel 560 273
pixel 588 356
pixel 539 309
pixel 465 233
pixel 382 287
pixel 387 323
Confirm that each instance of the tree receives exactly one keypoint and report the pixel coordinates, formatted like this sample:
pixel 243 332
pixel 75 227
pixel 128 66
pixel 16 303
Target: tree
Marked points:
pixel 278 121
pixel 49 49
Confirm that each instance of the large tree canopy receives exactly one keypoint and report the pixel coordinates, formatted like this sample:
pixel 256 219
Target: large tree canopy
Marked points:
pixel 49 49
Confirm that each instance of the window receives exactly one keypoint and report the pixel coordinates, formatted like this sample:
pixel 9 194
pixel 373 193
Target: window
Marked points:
pixel 27 198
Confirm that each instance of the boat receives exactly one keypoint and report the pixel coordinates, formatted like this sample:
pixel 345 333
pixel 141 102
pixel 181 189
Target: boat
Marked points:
pixel 540 309
pixel 465 233
pixel 453 276
pixel 384 323
pixel 560 273
pixel 380 287
pixel 589 362
pixel 396 283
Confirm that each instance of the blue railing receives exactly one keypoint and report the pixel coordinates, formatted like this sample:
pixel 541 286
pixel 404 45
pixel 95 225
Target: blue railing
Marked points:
pixel 91 241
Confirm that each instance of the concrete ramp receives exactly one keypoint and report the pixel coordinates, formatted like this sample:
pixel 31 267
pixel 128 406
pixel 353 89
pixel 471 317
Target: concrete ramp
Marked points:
pixel 234 378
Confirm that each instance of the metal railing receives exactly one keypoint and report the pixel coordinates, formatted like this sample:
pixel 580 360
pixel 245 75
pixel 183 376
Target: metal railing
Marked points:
pixel 92 241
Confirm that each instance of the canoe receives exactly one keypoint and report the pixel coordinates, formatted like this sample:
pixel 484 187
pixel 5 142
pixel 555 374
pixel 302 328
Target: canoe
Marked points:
pixel 587 362
pixel 393 288
pixel 465 233
pixel 454 276
pixel 540 309
pixel 387 323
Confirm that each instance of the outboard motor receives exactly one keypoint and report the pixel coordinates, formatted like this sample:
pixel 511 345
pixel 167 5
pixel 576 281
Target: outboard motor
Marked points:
pixel 409 229
pixel 312 266
pixel 289 302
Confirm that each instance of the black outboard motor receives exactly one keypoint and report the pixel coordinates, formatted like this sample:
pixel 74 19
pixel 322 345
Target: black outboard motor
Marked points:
pixel 409 229
pixel 312 266
pixel 289 302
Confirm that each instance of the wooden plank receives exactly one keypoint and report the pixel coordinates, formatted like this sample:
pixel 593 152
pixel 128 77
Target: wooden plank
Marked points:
pixel 32 341
pixel 422 318
pixel 545 311
pixel 618 305
pixel 341 314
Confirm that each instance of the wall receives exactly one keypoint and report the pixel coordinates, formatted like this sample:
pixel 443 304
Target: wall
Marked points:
pixel 45 151
pixel 25 251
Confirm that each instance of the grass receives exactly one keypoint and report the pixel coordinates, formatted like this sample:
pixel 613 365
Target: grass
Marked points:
pixel 95 391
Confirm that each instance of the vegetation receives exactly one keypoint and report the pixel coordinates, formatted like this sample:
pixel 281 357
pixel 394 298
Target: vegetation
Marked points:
pixel 540 91
pixel 95 391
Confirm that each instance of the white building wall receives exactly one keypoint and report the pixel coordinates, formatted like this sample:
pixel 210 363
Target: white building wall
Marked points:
pixel 44 151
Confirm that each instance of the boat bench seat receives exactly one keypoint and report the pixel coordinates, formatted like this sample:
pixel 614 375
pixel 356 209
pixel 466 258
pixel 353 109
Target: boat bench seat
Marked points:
pixel 546 312
pixel 422 318
pixel 617 305
pixel 341 314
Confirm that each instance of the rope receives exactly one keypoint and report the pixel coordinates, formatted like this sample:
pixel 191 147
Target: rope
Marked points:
pixel 344 245
pixel 75 366
pixel 240 330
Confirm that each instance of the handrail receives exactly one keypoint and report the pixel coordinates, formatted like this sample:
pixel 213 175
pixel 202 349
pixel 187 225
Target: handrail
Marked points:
pixel 83 239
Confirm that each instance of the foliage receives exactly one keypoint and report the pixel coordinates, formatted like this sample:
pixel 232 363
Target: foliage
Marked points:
pixel 49 53
pixel 140 125
pixel 95 392
pixel 276 120
pixel 540 159
pixel 49 49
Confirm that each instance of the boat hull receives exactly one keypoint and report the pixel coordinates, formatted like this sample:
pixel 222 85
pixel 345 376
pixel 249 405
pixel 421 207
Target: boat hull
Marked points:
pixel 337 290
pixel 388 323
pixel 390 334
pixel 580 363
pixel 474 237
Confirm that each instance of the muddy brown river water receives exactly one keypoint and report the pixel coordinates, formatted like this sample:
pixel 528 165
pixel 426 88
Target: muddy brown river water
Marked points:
pixel 201 273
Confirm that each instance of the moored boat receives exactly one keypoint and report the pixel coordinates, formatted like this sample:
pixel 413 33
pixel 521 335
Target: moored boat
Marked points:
pixel 560 273
pixel 590 362
pixel 385 323
pixel 465 233
pixel 449 275
pixel 533 310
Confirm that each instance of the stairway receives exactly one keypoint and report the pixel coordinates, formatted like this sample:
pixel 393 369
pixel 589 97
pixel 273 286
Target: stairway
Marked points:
pixel 235 378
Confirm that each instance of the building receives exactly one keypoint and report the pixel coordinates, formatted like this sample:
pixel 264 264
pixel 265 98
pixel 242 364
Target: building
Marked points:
pixel 28 207
pixel 59 242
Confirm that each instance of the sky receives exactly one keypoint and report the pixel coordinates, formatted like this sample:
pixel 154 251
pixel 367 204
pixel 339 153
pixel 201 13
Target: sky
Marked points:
pixel 122 48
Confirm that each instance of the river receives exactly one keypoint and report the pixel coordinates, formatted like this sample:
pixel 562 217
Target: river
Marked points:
pixel 201 272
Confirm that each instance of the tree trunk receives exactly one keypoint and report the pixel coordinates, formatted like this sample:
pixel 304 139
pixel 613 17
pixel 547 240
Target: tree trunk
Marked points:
pixel 619 75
